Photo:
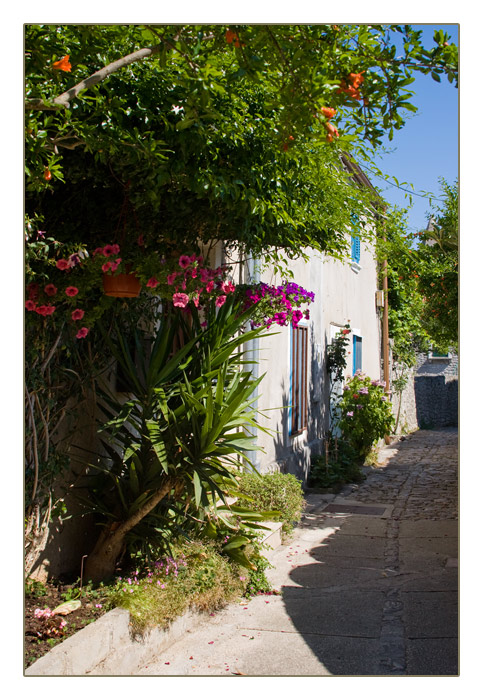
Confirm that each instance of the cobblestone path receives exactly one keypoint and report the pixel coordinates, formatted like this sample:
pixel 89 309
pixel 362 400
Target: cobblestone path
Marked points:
pixel 421 470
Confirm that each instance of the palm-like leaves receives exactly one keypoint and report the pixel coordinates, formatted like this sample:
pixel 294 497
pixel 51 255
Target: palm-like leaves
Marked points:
pixel 187 418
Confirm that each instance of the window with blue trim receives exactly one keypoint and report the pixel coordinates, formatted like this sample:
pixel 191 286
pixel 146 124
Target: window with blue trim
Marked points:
pixel 356 353
pixel 355 241
pixel 298 379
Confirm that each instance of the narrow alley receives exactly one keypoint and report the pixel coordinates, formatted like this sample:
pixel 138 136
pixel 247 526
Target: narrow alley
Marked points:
pixel 368 585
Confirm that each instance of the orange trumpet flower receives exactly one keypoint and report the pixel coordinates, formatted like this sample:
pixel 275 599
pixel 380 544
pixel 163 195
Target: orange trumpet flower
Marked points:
pixel 63 64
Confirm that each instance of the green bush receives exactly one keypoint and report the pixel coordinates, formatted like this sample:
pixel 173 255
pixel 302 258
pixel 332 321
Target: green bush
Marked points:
pixel 341 466
pixel 277 492
pixel 365 413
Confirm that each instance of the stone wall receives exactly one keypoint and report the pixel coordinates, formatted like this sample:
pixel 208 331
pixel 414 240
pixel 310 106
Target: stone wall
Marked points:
pixel 430 399
pixel 436 400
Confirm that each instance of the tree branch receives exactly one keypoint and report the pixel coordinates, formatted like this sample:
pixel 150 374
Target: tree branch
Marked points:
pixel 64 99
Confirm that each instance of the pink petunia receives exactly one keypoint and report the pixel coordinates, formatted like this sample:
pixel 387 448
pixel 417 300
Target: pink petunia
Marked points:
pixel 49 310
pixel 184 261
pixel 97 251
pixel 71 291
pixel 50 290
pixel 62 264
pixel 153 282
pixel 209 286
pixel 106 267
pixel 180 300
pixel 220 300
pixel 30 305
pixel 82 332
pixel 41 310
pixel 109 250
pixel 228 287
pixel 171 278
pixel 77 315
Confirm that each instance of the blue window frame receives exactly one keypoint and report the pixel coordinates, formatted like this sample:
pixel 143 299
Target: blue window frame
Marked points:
pixel 355 240
pixel 355 249
pixel 356 353
pixel 298 379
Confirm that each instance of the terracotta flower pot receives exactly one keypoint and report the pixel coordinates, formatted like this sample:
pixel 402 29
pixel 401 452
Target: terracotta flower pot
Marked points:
pixel 123 285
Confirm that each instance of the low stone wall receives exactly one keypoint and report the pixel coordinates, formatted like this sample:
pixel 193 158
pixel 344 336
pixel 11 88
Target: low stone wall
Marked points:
pixel 436 400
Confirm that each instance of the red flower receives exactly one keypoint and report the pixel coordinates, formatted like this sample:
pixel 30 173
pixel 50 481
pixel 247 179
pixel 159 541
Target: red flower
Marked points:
pixel 355 396
pixel 220 300
pixel 106 267
pixel 328 112
pixel 71 291
pixel 180 300
pixel 50 290
pixel 153 282
pixel 30 305
pixel 109 250
pixel 171 278
pixel 49 310
pixel 62 264
pixel 345 331
pixel 184 261
pixel 77 314
pixel 209 286
pixel 82 332
pixel 63 64
pixel 47 174
pixel 41 310
pixel 228 287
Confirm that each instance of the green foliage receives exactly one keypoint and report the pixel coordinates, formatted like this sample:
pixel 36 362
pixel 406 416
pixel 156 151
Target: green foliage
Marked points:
pixel 340 465
pixel 181 432
pixel 197 577
pixel 273 492
pixel 405 301
pixel 365 412
pixel 439 281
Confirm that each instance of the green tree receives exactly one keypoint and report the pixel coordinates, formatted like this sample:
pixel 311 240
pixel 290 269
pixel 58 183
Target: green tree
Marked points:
pixel 438 282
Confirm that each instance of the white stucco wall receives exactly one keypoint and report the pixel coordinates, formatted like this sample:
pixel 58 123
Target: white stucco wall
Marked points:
pixel 342 295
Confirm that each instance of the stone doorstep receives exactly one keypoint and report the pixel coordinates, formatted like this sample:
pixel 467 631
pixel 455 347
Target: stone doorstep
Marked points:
pixel 106 646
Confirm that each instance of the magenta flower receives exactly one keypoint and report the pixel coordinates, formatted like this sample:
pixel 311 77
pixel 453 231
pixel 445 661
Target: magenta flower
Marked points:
pixel 62 264
pixel 106 267
pixel 220 300
pixel 82 332
pixel 153 282
pixel 349 414
pixel 71 291
pixel 209 286
pixel 228 287
pixel 109 250
pixel 180 300
pixel 30 305
pixel 171 278
pixel 77 315
pixel 184 261
pixel 50 290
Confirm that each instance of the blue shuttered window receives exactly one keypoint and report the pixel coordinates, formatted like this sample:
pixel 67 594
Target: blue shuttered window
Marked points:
pixel 355 240
pixel 298 379
pixel 356 353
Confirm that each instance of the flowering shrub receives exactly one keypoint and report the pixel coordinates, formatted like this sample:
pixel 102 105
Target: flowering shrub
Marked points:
pixel 52 626
pixel 365 412
pixel 279 305
pixel 72 285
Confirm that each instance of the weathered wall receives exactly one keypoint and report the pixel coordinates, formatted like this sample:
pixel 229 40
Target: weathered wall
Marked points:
pixel 342 294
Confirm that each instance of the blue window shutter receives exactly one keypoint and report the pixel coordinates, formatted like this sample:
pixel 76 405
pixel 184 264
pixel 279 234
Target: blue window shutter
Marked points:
pixel 356 353
pixel 356 249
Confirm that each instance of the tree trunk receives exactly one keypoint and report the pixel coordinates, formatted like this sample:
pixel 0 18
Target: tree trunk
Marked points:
pixel 101 563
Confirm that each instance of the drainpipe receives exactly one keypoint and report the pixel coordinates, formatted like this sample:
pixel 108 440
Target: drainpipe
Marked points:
pixel 252 349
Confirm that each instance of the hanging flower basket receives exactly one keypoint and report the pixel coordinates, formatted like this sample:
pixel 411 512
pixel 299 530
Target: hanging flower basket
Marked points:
pixel 122 285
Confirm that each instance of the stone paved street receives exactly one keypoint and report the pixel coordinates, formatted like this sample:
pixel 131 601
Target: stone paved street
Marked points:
pixel 369 584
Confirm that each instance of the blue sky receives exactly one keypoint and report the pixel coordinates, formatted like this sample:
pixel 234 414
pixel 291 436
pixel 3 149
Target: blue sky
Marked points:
pixel 427 146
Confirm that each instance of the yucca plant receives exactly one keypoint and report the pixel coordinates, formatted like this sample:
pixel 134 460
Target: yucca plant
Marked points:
pixel 172 448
